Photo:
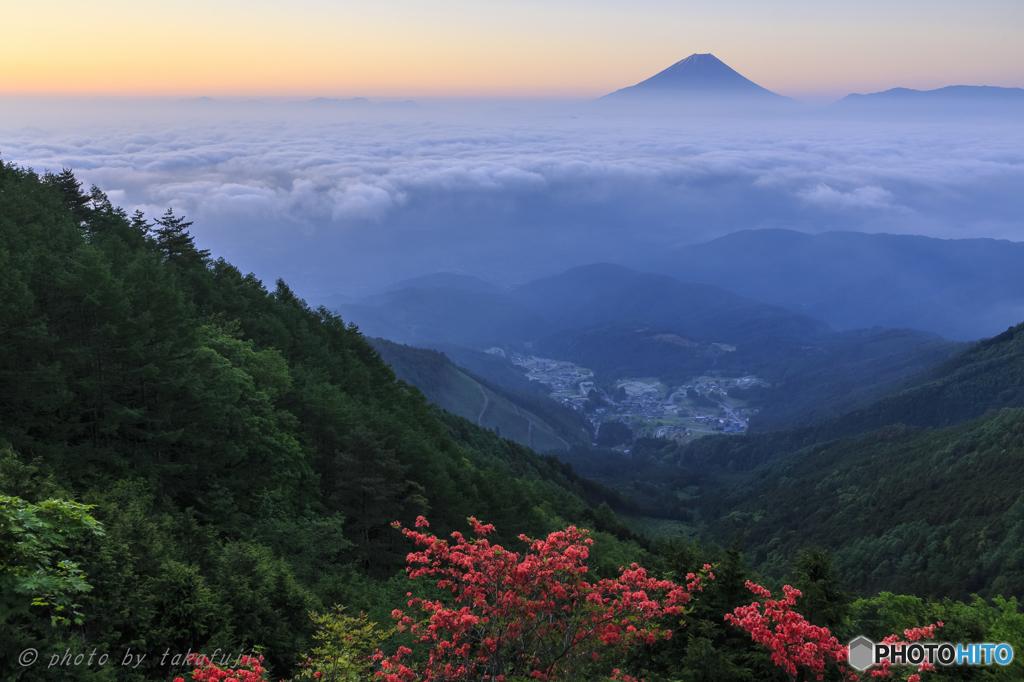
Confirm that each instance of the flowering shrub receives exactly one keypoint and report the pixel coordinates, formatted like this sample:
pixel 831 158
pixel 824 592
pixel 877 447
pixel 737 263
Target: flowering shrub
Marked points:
pixel 795 643
pixel 206 671
pixel 792 640
pixel 525 615
pixel 912 635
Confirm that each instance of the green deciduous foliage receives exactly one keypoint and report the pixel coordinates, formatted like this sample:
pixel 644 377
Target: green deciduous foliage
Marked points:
pixel 343 647
pixel 34 569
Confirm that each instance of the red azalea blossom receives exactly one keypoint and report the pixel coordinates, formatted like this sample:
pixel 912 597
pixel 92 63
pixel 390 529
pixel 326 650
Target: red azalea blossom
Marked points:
pixel 792 640
pixel 208 672
pixel 795 643
pixel 531 614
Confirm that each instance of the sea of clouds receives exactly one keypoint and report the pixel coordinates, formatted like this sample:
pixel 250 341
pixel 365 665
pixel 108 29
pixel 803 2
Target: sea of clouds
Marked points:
pixel 337 201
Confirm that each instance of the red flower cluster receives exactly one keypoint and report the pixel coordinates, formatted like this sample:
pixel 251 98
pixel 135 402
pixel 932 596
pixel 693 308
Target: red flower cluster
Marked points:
pixel 532 614
pixel 208 672
pixel 795 642
pixel 912 635
pixel 791 639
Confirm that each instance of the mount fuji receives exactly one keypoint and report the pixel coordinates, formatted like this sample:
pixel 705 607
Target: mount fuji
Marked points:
pixel 698 77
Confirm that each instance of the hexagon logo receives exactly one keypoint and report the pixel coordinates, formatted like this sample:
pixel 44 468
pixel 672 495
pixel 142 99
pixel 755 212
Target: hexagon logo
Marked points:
pixel 862 653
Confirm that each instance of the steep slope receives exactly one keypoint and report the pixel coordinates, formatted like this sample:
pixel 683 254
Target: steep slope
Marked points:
pixel 529 418
pixel 981 378
pixel 916 491
pixel 987 376
pixel 937 512
pixel 495 368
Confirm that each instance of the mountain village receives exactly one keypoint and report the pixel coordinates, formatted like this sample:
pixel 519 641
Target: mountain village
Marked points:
pixel 649 407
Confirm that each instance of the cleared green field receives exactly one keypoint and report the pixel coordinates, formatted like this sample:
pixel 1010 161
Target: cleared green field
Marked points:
pixel 515 423
pixel 656 528
pixel 459 395
pixel 444 384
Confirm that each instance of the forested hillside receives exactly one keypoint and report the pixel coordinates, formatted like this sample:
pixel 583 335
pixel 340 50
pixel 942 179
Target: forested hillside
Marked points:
pixel 937 513
pixel 245 453
pixel 988 375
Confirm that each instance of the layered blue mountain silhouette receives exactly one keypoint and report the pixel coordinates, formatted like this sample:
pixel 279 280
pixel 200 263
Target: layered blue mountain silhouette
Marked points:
pixel 698 77
pixel 952 99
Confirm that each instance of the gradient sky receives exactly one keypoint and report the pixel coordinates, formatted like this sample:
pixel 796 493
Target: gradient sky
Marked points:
pixel 807 49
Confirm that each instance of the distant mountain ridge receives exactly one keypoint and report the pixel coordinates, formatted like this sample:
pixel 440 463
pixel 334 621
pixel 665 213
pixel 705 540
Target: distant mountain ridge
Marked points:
pixel 597 294
pixel 962 289
pixel 580 297
pixel 621 323
pixel 320 103
pixel 957 95
pixel 332 101
pixel 421 316
pixel 447 280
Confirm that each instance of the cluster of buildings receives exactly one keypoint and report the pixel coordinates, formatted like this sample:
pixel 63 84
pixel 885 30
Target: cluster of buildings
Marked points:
pixel 645 405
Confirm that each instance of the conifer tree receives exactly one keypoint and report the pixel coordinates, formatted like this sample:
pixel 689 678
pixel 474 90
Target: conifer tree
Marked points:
pixel 174 241
pixel 98 200
pixel 140 224
pixel 372 491
pixel 71 188
pixel 825 602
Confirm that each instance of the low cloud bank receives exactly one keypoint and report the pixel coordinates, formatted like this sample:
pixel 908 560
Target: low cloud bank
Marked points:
pixel 337 204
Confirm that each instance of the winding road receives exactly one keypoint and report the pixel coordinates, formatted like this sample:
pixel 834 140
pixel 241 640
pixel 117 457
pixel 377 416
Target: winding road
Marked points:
pixel 487 401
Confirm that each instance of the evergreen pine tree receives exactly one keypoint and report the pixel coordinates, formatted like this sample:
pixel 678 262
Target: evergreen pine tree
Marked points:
pixel 174 241
pixel 71 188
pixel 825 602
pixel 98 200
pixel 139 223
pixel 372 491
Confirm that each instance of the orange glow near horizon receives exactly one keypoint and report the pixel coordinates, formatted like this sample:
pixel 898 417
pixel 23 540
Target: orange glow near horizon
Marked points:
pixel 565 48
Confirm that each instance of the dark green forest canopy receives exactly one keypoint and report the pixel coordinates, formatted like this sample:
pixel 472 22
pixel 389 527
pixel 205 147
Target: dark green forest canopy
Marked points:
pixel 937 513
